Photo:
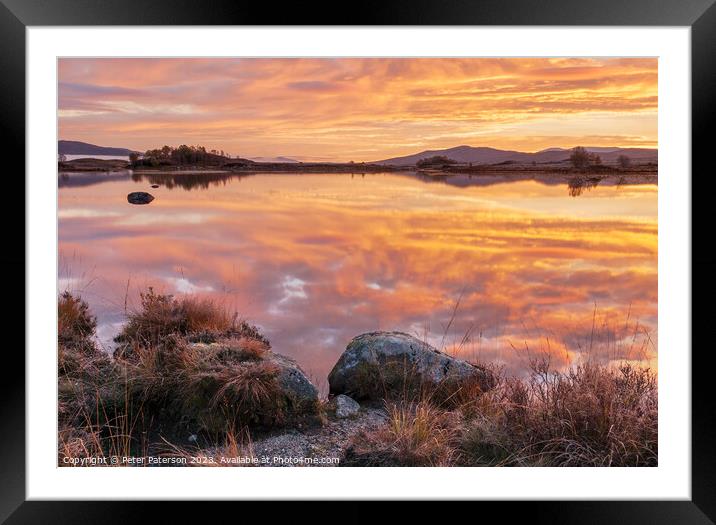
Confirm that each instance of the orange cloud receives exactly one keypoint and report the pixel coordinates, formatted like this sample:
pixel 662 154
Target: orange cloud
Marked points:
pixel 358 108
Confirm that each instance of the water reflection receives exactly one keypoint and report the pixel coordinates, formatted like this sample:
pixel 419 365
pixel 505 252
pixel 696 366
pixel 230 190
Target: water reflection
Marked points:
pixel 577 185
pixel 69 180
pixel 189 181
pixel 317 259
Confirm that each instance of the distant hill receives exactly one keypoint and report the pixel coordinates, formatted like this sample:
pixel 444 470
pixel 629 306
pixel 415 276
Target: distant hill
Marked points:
pixel 73 147
pixel 484 155
pixel 285 160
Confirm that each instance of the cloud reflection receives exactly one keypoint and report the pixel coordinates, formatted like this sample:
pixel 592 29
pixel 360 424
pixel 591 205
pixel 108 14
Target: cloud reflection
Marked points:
pixel 318 259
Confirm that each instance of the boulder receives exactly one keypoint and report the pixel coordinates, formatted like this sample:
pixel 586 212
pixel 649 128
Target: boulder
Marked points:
pixel 345 406
pixel 378 364
pixel 140 197
pixel 293 381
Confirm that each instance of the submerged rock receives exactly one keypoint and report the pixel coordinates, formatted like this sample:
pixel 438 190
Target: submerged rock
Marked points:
pixel 140 197
pixel 345 406
pixel 378 364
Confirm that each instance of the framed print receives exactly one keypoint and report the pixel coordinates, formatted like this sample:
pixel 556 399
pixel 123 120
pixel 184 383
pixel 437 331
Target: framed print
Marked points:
pixel 431 253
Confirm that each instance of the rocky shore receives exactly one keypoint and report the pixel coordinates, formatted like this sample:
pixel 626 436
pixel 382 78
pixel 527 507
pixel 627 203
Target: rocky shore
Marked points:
pixel 190 382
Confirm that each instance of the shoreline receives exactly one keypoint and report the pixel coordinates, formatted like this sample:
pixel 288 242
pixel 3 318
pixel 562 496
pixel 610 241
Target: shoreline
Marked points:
pixel 90 165
pixel 189 383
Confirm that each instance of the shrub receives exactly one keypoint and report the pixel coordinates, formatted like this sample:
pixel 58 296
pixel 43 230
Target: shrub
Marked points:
pixel 161 317
pixel 78 358
pixel 436 161
pixel 74 321
pixel 214 388
pixel 194 368
pixel 184 367
pixel 579 157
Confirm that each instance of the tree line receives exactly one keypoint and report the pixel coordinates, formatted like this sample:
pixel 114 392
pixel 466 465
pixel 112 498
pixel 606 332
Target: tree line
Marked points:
pixel 181 155
pixel 580 158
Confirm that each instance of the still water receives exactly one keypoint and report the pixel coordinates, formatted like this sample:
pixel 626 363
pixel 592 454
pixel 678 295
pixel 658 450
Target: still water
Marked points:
pixel 491 268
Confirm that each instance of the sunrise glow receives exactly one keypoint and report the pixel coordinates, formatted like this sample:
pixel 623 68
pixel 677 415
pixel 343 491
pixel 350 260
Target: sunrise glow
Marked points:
pixel 358 109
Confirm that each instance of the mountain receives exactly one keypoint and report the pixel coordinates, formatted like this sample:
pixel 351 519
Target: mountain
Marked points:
pixel 279 160
pixel 461 154
pixel 484 155
pixel 73 147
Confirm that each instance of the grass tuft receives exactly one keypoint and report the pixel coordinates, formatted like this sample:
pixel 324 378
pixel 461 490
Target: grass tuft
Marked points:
pixel 417 435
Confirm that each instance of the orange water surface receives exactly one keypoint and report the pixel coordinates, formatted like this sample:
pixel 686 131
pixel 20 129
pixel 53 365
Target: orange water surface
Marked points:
pixel 493 268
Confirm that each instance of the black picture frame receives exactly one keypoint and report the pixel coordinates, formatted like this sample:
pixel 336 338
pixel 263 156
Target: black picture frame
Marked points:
pixel 699 15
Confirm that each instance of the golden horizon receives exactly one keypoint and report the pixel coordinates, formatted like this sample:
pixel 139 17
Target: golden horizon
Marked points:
pixel 359 109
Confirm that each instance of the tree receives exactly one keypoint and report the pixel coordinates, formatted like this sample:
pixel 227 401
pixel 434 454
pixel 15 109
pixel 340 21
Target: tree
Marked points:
pixel 579 157
pixel 62 157
pixel 133 157
pixel 435 162
pixel 624 161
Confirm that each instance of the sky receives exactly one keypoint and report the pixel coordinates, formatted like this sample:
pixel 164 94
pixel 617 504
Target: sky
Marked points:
pixel 360 109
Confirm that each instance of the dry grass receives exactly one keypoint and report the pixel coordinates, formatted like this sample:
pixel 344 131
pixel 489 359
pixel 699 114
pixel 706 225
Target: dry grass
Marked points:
pixel 75 444
pixel 418 434
pixel 92 424
pixel 74 320
pixel 210 389
pixel 186 369
pixel 161 316
pixel 241 349
pixel 190 359
pixel 589 415
pixel 236 451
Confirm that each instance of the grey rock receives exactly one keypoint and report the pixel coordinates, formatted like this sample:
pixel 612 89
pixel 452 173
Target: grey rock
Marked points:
pixel 377 362
pixel 345 406
pixel 293 380
pixel 140 197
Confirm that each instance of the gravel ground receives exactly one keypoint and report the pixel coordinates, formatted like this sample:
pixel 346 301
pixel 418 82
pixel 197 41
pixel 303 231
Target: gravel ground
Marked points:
pixel 323 445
